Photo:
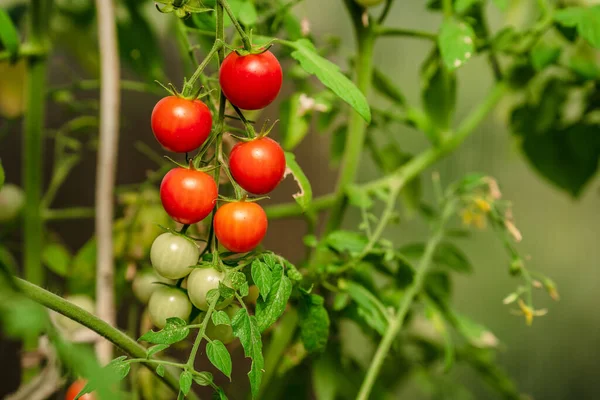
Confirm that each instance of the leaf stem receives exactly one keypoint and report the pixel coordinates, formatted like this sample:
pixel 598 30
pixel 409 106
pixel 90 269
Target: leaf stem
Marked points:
pixel 189 86
pixel 68 213
pixel 241 31
pixel 412 33
pixel 397 321
pixel 120 339
pixel 192 358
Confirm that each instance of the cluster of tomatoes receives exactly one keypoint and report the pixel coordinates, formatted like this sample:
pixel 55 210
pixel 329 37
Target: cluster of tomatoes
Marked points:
pixel 189 195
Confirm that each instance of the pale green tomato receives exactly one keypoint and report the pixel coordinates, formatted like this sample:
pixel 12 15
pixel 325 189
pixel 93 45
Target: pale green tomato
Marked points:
pixel 172 256
pixel 66 324
pixel 145 283
pixel 252 295
pixel 12 199
pixel 224 333
pixel 369 3
pixel 167 302
pixel 200 282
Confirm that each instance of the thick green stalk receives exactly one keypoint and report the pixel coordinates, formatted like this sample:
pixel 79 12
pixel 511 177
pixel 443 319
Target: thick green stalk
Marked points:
pixel 114 335
pixel 397 321
pixel 33 127
pixel 365 41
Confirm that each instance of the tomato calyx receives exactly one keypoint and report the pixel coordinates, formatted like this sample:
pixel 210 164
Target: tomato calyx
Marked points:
pixel 181 234
pixel 255 50
pixel 194 95
pixel 243 199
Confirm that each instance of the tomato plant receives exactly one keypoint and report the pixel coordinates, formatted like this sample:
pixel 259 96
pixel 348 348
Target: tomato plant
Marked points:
pixel 252 81
pixel 257 166
pixel 181 125
pixel 74 390
pixel 240 226
pixel 350 306
pixel 187 195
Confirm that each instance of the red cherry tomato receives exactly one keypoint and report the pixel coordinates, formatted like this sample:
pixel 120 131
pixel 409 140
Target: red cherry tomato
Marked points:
pixel 75 388
pixel 258 166
pixel 187 195
pixel 240 226
pixel 251 82
pixel 181 125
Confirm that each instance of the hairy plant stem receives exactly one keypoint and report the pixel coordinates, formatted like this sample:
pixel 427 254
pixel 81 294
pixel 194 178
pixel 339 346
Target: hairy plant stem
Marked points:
pixel 192 358
pixel 106 169
pixel 114 335
pixel 245 39
pixel 189 86
pixel 365 42
pixel 397 320
pixel 383 31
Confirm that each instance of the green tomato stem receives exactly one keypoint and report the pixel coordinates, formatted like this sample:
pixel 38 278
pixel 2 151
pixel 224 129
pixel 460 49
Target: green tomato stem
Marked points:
pixel 412 33
pixel 188 89
pixel 118 338
pixel 243 35
pixel 200 335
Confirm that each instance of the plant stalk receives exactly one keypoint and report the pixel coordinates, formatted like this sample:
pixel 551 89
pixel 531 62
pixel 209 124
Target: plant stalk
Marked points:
pixel 106 168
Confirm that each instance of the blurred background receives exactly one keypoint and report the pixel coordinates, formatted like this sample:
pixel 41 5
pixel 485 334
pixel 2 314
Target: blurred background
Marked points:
pixel 556 358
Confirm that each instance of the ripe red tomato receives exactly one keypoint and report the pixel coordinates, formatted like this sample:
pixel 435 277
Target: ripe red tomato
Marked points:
pixel 181 125
pixel 240 226
pixel 187 195
pixel 258 166
pixel 251 82
pixel 75 388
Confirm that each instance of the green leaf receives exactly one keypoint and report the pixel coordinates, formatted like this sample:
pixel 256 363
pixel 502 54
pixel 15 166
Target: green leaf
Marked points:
pixel 220 318
pixel 237 279
pixel 338 144
pixel 9 36
pixel 446 254
pixel 477 334
pixel 57 258
pixel 314 323
pixel 294 123
pixel 248 15
pixel 175 331
pixel 439 96
pixel 220 393
pixel 585 19
pixel 160 370
pixel 203 378
pixel 245 327
pixel 219 357
pixel 261 275
pixel 358 197
pixel 156 349
pixel 460 6
pixel 120 367
pixel 2 175
pixel 384 85
pixel 185 382
pixel 347 241
pixel 369 306
pixel 269 310
pixel 501 4
pixel 543 55
pixel 330 75
pixel 456 42
pixel 304 196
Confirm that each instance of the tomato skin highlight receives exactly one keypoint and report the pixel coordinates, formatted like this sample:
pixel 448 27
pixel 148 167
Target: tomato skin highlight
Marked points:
pixel 251 82
pixel 240 226
pixel 181 125
pixel 257 166
pixel 74 390
pixel 187 195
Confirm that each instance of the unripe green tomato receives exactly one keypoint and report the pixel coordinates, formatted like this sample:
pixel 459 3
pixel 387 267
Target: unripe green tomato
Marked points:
pixel 167 302
pixel 12 199
pixel 66 324
pixel 145 283
pixel 224 333
pixel 369 3
pixel 200 282
pixel 172 255
pixel 149 221
pixel 252 295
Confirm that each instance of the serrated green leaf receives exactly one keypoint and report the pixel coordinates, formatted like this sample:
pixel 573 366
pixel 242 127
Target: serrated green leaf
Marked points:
pixel 347 241
pixel 203 378
pixel 456 42
pixel 330 75
pixel 160 370
pixel 294 123
pixel 57 258
pixel 220 318
pixel 119 367
pixel 9 36
pixel 543 55
pixel 237 279
pixel 314 323
pixel 224 291
pixel 269 310
pixel 384 85
pixel 185 382
pixel 174 331
pixel 156 349
pixel 585 19
pixel 245 327
pixel 261 275
pixel 304 196
pixel 219 357
pixel 369 306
